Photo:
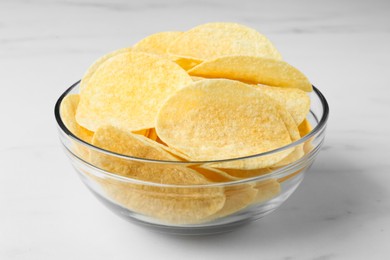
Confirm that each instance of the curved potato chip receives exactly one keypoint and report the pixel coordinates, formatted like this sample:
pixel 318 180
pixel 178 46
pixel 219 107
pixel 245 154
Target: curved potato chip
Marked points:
pixel 247 173
pixel 214 175
pixel 212 40
pixel 266 190
pixel 157 43
pixel 185 63
pixel 238 197
pixel 296 101
pixel 258 70
pixel 179 156
pixel 169 204
pixel 127 91
pixel 221 119
pixel 68 111
pixel 152 134
pixel 304 128
pixel 195 78
pixel 91 70
pixel 292 128
pixel 287 177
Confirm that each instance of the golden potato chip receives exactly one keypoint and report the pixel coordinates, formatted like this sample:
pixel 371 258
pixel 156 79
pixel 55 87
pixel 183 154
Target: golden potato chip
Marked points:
pixel 292 157
pixel 297 151
pixel 91 70
pixel 179 156
pixel 238 197
pixel 152 134
pixel 169 204
pixel 213 174
pixel 185 63
pixel 212 40
pixel 287 177
pixel 116 140
pixel 144 132
pixel 166 205
pixel 247 173
pixel 68 111
pixel 195 78
pixel 157 43
pixel 296 101
pixel 304 128
pixel 221 119
pixel 127 91
pixel 266 190
pixel 257 70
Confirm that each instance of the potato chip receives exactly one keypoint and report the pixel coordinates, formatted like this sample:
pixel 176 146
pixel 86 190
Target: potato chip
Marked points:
pixel 257 70
pixel 91 70
pixel 157 43
pixel 153 140
pixel 68 111
pixel 212 40
pixel 152 134
pixel 144 132
pixel 247 173
pixel 214 175
pixel 304 128
pixel 195 78
pixel 296 101
pixel 127 91
pixel 238 197
pixel 266 190
pixel 221 119
pixel 287 177
pixel 185 63
pixel 169 204
pixel 166 205
pixel 292 128
pixel 116 140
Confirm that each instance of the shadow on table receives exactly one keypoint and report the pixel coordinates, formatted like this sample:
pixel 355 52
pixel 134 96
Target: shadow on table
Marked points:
pixel 334 191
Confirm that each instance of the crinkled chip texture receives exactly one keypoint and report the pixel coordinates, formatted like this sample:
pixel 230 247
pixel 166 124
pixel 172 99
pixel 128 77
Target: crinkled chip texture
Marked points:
pixel 212 40
pixel 258 70
pixel 172 204
pixel 68 111
pixel 91 70
pixel 157 43
pixel 221 119
pixel 128 90
pixel 296 101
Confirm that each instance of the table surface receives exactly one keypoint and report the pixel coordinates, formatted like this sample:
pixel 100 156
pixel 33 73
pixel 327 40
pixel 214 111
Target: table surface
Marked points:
pixel 341 210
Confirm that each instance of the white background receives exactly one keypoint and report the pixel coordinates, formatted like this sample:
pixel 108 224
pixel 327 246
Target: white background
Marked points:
pixel 341 210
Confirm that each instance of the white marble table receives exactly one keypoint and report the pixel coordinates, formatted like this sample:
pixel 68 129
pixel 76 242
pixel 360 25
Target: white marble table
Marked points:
pixel 342 209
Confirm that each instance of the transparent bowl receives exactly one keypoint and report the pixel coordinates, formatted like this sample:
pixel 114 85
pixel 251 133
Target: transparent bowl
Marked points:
pixel 202 208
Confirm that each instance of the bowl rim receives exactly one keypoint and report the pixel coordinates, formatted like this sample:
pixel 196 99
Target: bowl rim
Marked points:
pixel 275 173
pixel 318 128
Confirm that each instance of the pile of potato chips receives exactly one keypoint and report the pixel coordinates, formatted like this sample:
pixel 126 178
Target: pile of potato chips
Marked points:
pixel 215 92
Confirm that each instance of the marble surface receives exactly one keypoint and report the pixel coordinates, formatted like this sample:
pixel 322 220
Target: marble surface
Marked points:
pixel 342 209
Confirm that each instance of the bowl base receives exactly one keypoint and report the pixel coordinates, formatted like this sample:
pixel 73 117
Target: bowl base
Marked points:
pixel 186 230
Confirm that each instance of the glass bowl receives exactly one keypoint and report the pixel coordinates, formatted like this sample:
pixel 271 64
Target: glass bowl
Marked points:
pixel 202 208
